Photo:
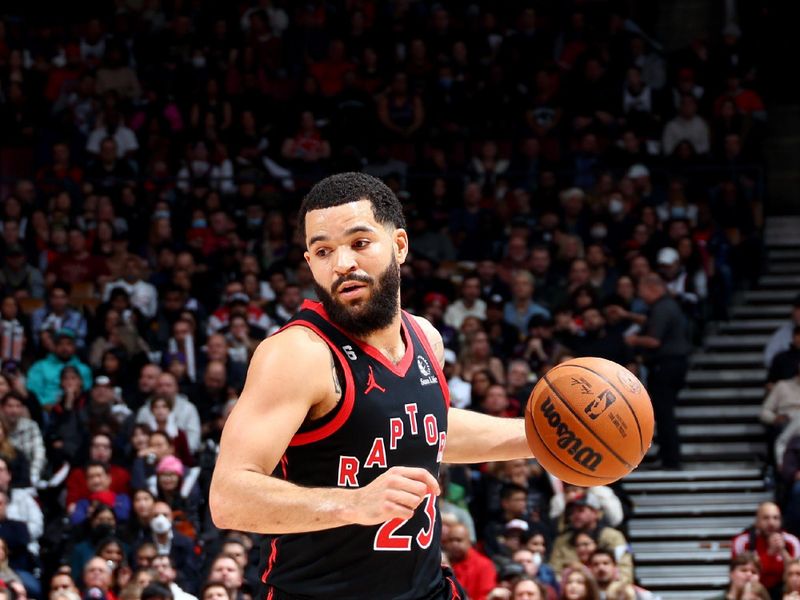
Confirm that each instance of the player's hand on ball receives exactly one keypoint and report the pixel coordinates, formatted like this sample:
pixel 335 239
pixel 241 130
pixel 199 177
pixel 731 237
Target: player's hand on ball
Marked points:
pixel 395 494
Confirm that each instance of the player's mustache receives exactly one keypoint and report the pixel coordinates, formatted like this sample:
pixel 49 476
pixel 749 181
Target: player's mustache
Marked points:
pixel 352 277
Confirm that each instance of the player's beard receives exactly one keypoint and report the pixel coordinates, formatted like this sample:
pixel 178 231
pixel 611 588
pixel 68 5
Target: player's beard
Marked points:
pixel 370 315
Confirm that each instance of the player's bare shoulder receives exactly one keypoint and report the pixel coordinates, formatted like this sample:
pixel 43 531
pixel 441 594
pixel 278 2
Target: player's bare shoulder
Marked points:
pixel 295 357
pixel 434 337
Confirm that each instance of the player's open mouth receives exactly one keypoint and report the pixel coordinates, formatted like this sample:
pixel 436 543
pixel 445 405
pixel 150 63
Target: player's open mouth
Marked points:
pixel 351 289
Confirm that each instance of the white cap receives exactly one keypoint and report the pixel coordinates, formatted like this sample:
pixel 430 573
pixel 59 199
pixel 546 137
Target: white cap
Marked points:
pixel 667 256
pixel 638 170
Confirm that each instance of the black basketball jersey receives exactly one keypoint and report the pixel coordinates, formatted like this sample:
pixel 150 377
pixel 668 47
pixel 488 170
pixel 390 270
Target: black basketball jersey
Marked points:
pixel 389 415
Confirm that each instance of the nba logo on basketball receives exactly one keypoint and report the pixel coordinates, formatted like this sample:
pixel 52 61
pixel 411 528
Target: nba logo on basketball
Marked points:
pixel 600 405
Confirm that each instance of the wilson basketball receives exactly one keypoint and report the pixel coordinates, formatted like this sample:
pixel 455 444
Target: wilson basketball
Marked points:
pixel 589 421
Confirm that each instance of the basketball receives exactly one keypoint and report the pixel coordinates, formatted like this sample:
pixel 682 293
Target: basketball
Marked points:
pixel 589 421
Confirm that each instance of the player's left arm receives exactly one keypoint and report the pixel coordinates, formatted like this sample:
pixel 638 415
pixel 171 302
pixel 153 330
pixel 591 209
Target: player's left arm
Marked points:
pixel 473 437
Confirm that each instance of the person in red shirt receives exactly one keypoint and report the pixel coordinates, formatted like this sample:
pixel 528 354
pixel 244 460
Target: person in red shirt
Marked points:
pixel 329 73
pixel 774 547
pixel 100 450
pixel 474 571
pixel 79 265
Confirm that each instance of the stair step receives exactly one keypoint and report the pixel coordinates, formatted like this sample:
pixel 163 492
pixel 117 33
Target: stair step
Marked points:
pixel 691 487
pixel 769 296
pixel 779 281
pixel 745 509
pixel 727 359
pixel 792 254
pixel 718 431
pixel 784 268
pixel 751 325
pixel 700 499
pixel 697 557
pixel 710 532
pixel 742 413
pixel 703 449
pixel 660 579
pixel 728 394
pixel 727 376
pixel 680 595
pixel 689 474
pixel 738 342
pixel 682 546
pixel 762 311
pixel 690 525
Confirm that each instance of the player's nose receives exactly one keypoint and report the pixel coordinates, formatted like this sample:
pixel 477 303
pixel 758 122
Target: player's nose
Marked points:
pixel 345 261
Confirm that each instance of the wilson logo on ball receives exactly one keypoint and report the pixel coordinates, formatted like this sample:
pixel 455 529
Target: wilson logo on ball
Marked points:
pixel 568 440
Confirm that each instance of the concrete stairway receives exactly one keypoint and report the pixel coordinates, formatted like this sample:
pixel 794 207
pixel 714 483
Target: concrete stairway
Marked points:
pixel 683 520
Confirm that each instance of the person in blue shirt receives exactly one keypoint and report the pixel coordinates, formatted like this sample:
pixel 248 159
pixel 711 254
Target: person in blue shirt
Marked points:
pixel 44 377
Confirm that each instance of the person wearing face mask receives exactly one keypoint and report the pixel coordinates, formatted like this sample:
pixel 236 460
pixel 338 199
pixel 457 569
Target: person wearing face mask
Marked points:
pixel 174 544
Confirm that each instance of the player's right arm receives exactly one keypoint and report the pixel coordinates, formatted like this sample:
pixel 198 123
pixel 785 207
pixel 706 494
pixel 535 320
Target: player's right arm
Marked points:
pixel 288 377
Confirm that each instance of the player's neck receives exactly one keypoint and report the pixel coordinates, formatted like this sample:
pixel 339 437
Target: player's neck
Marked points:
pixel 389 340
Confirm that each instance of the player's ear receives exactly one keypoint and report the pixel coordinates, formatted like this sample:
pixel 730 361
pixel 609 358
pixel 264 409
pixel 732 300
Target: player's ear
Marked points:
pixel 400 245
pixel 307 256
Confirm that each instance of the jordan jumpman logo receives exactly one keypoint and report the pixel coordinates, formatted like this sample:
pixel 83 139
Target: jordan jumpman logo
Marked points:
pixel 372 384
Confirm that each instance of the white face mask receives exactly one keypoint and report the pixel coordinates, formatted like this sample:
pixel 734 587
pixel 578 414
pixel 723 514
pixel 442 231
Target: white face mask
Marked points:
pixel 160 524
pixel 615 206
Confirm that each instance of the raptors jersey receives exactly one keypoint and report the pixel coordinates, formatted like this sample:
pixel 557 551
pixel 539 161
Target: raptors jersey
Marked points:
pixel 389 415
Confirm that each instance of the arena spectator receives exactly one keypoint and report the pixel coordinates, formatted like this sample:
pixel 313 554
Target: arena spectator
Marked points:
pixel 665 342
pixel 44 377
pixel 55 316
pixel 475 572
pixel 786 363
pixel 744 568
pixel 583 514
pixel 781 338
pixel 773 546
pixel 25 450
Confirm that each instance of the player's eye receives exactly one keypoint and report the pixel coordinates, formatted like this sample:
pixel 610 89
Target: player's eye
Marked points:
pixel 359 244
pixel 321 252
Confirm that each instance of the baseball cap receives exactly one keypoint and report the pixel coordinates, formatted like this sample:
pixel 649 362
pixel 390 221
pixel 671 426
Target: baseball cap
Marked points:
pixel 495 301
pixel 238 297
pixel 587 499
pixel 65 332
pixel 435 298
pixel 519 524
pixel 668 256
pixel 638 170
pixel 510 571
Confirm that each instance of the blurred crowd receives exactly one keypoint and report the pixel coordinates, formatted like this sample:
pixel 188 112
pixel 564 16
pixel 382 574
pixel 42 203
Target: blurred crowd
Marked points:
pixel 571 189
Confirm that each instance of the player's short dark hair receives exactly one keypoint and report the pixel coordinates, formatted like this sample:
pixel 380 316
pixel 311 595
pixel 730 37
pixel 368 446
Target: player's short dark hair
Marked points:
pixel 343 188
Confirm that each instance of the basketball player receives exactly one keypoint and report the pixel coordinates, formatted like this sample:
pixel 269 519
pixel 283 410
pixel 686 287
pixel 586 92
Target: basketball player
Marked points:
pixel 333 448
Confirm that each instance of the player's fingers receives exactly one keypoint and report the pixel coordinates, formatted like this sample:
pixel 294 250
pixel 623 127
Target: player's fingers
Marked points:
pixel 407 484
pixel 404 498
pixel 423 476
pixel 393 510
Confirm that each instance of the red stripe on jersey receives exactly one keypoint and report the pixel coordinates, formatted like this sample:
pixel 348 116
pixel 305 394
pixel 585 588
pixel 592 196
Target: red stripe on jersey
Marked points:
pixel 436 366
pixel 273 554
pixel 453 589
pixel 271 593
pixel 400 369
pixel 309 437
